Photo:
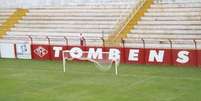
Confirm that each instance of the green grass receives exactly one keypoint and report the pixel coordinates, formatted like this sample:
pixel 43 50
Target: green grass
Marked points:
pixel 28 80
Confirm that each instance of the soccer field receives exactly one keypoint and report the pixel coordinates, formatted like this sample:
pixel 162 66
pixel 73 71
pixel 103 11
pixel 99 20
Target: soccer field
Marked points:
pixel 29 80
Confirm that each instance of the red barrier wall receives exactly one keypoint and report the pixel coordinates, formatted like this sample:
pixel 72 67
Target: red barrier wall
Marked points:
pixel 128 55
pixel 199 58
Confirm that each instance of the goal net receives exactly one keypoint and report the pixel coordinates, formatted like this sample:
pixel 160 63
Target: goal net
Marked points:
pixel 102 60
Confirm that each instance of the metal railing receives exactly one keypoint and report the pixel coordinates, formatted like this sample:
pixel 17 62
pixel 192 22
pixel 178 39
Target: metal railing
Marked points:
pixel 124 42
pixel 124 23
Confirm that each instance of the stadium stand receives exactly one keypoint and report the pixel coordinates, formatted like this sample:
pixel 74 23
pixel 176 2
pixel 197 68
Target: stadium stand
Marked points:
pixel 170 20
pixel 166 19
pixel 89 19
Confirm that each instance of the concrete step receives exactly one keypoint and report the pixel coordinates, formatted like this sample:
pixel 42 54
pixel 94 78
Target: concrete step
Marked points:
pixel 1 21
pixel 62 26
pixel 174 10
pixel 80 11
pixel 7 10
pixel 193 18
pixel 3 17
pixel 68 22
pixel 77 14
pixel 52 35
pixel 173 14
pixel 21 33
pixel 97 7
pixel 177 5
pixel 170 22
pixel 68 18
pixel 156 31
pixel 5 14
pixel 162 36
pixel 90 30
pixel 76 9
pixel 176 1
pixel 164 27
pixel 89 6
pixel 58 29
pixel 80 15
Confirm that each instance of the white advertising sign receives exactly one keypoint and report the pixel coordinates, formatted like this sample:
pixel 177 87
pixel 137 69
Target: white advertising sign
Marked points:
pixel 7 50
pixel 23 51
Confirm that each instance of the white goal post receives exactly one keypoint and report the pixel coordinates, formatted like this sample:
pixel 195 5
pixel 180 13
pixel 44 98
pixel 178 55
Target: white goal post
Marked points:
pixel 102 60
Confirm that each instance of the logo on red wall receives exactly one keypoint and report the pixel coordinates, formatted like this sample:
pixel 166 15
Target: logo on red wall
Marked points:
pixel 40 51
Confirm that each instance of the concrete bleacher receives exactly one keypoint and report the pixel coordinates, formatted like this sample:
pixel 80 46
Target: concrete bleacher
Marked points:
pixel 16 39
pixel 164 20
pixel 91 19
pixel 4 14
pixel 170 19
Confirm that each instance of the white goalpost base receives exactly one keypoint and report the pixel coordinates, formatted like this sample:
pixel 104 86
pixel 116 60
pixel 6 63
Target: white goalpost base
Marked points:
pixel 102 60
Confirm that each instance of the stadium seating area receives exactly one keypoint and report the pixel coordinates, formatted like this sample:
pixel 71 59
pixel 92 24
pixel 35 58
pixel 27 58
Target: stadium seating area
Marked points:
pixel 167 20
pixel 93 21
pixel 4 14
pixel 87 19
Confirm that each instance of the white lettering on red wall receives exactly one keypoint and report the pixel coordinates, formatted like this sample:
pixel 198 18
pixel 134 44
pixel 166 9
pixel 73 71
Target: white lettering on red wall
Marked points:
pixel 158 56
pixel 183 57
pixel 114 54
pixel 57 51
pixel 133 55
pixel 95 54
